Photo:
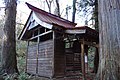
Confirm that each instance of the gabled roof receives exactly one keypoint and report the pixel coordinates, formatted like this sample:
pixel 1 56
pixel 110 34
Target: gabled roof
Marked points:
pixel 46 18
pixel 51 18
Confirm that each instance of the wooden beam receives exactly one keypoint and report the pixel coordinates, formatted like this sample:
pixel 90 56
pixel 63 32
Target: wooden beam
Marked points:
pixel 96 60
pixel 75 31
pixel 61 32
pixel 41 34
pixel 83 59
pixel 53 58
pixel 89 43
pixel 38 40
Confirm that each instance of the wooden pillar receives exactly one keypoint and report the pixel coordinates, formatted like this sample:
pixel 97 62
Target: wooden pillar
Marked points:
pixel 86 57
pixel 96 60
pixel 27 55
pixel 53 58
pixel 83 59
pixel 38 40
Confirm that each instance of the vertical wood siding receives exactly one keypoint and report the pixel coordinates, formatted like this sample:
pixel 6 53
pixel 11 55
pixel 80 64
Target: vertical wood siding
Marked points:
pixel 45 59
pixel 31 59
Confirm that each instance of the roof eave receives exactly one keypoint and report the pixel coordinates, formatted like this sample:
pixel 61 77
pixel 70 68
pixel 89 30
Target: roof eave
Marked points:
pixel 20 36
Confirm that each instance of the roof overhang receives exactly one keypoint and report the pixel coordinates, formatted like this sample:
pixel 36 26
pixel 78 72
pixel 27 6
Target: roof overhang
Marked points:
pixel 84 32
pixel 32 22
pixel 75 31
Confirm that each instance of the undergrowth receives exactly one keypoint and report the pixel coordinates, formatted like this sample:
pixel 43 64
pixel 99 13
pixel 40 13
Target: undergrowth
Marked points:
pixel 22 75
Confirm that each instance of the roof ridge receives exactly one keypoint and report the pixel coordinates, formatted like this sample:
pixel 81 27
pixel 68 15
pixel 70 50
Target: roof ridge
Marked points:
pixel 48 14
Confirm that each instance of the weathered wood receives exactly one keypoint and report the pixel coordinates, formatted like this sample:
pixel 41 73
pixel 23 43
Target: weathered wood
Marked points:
pixel 75 31
pixel 59 56
pixel 83 59
pixel 31 59
pixel 40 59
pixel 41 34
pixel 53 70
pixel 38 40
pixel 32 50
pixel 73 59
pixel 96 60
pixel 31 66
pixel 45 58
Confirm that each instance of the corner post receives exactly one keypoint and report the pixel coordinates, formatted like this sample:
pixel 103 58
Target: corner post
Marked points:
pixel 38 40
pixel 96 60
pixel 83 58
pixel 53 58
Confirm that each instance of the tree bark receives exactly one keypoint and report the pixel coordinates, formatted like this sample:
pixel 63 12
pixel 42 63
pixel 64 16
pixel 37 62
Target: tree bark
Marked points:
pixel 109 37
pixel 9 61
pixel 74 10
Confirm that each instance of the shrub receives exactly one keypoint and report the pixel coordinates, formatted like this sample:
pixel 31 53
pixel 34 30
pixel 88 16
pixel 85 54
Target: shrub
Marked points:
pixel 23 76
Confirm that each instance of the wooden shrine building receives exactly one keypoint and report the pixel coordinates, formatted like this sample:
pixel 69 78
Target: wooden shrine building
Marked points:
pixel 56 48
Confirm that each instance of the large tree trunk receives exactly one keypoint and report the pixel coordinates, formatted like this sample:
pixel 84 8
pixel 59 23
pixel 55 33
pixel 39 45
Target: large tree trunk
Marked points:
pixel 96 59
pixel 109 33
pixel 9 62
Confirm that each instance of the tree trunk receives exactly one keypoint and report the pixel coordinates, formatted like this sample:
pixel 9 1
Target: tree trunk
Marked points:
pixel 96 59
pixel 109 35
pixel 49 2
pixel 96 15
pixel 57 10
pixel 74 10
pixel 9 61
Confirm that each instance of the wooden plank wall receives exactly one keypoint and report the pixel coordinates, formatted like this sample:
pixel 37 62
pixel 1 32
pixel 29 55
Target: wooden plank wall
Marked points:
pixel 73 59
pixel 31 59
pixel 59 58
pixel 45 58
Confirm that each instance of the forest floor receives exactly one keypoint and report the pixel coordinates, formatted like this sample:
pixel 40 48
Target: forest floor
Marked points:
pixel 88 77
pixel 24 76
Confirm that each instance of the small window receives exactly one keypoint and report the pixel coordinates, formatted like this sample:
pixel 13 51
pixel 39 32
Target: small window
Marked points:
pixel 67 45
